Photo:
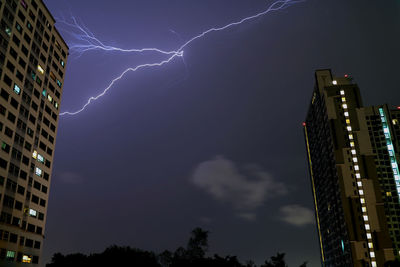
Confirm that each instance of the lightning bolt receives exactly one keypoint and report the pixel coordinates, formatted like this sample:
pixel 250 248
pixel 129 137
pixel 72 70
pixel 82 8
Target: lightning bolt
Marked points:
pixel 91 42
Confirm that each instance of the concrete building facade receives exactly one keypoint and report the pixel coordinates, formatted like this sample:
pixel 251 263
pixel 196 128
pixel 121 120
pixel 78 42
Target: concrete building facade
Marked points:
pixel 33 58
pixel 353 154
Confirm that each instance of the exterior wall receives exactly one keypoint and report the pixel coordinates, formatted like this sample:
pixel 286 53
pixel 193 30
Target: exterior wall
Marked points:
pixel 351 208
pixel 32 65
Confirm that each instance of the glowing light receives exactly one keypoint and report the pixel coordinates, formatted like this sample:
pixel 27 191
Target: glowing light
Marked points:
pixel 334 82
pixel 93 43
pixel 304 124
pixel 346 76
pixel 40 69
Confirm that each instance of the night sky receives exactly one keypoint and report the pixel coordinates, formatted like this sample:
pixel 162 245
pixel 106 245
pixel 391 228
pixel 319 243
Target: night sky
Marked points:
pixel 215 140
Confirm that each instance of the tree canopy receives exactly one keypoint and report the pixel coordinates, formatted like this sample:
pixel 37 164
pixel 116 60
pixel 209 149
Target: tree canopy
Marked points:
pixel 194 255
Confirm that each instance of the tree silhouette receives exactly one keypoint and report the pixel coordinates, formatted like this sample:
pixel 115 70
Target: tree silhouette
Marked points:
pixel 194 255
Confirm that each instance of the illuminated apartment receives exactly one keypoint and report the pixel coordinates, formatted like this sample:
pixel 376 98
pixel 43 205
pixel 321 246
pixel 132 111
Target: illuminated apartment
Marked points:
pixel 353 154
pixel 32 65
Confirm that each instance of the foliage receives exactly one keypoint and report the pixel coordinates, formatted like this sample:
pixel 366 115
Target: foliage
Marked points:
pixel 194 255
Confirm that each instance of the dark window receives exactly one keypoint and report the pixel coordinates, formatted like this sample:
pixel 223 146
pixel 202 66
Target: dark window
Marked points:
pixel 42 202
pixel 13 53
pixel 3 163
pixel 11 117
pixel 13 238
pixel 29 242
pixel 24 50
pixel 34 106
pixel 14 103
pixel 20 76
pixel 7 80
pixel 36 185
pixel 22 63
pixel 37 244
pixel 18 205
pixel 10 66
pixel 44 189
pixel 28 146
pixel 2 110
pixel 8 201
pixel 31 228
pixel 35 199
pixel 4 94
pixel 21 16
pixel 16 40
pixel 21 190
pixel 23 175
pixel 8 132
pixel 25 160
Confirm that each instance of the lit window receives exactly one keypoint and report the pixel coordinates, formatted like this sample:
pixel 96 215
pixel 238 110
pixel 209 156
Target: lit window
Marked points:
pixel 358 175
pixel 349 128
pixel 361 192
pixel 59 83
pixel 62 63
pixel 365 218
pixel 352 144
pixel 343 99
pixel 362 200
pixel 49 98
pixel 34 154
pixel 370 245
pixel 355 159
pixel 334 82
pixel 347 121
pixel 395 121
pixel 56 105
pixel 364 209
pixel 38 171
pixel 40 158
pixel 44 93
pixel 388 194
pixel 353 151
pixel 359 184
pixel 342 92
pixel 8 31
pixel 346 114
pixel 17 90
pixel 372 254
pixel 369 236
pixel 10 255
pixel 40 69
pixel 32 213
pixel 373 264
pixel 350 136
pixel 356 167
pixel 344 106
pixel 26 259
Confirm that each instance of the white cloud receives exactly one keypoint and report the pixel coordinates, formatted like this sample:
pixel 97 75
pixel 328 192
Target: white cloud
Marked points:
pixel 245 189
pixel 297 215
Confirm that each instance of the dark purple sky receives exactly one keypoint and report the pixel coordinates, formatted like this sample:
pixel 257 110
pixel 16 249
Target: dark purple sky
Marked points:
pixel 215 143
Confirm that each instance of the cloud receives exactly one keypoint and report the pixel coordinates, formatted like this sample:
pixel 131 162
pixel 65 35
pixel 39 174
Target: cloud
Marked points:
pixel 245 188
pixel 297 215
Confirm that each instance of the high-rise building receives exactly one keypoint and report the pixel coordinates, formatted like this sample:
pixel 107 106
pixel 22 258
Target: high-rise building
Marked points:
pixel 32 65
pixel 353 154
